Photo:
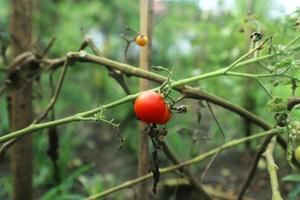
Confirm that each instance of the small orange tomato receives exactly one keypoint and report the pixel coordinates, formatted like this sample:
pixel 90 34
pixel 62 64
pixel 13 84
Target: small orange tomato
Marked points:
pixel 165 117
pixel 141 40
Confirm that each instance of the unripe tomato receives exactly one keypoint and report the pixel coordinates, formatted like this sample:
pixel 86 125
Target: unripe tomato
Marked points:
pixel 297 154
pixel 166 117
pixel 141 40
pixel 149 107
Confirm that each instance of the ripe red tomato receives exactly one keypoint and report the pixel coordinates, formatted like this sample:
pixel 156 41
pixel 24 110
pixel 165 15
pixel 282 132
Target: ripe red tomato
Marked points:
pixel 149 107
pixel 166 117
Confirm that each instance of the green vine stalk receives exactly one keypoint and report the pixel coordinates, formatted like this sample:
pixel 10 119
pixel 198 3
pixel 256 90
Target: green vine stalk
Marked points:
pixel 272 169
pixel 127 69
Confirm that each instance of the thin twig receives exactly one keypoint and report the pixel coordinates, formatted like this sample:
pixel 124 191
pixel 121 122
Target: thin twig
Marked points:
pixel 248 75
pixel 117 75
pixel 53 139
pixel 56 92
pixel 93 46
pixel 5 147
pixel 208 165
pixel 264 88
pixel 216 119
pixel 253 168
pixel 235 63
pixel 128 42
pixel 292 42
pixel 48 47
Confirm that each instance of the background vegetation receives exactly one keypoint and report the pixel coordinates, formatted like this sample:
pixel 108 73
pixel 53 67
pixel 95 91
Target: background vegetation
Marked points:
pixel 185 36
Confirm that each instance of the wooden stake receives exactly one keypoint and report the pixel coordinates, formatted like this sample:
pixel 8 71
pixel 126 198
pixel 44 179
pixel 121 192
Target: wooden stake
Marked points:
pixel 20 102
pixel 146 29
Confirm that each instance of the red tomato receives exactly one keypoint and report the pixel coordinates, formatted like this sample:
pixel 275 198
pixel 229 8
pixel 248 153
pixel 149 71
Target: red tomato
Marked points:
pixel 149 107
pixel 166 117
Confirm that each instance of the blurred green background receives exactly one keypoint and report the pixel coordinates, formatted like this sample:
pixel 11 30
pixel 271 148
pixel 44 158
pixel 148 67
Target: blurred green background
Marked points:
pixel 192 36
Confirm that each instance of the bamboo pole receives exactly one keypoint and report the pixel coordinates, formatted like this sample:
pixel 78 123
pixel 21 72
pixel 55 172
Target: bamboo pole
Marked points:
pixel 145 51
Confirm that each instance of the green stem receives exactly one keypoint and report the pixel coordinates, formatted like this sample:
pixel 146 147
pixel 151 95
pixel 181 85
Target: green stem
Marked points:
pixel 264 88
pixel 235 63
pixel 76 117
pixel 186 163
pixel 272 169
pixel 292 41
pixel 85 57
pixel 199 77
pixel 248 75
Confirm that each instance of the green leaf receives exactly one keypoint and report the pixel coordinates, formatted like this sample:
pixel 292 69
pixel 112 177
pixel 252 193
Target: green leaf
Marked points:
pixel 293 194
pixel 292 178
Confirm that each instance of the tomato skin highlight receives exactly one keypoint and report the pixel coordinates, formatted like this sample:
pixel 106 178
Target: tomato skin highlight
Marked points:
pixel 149 107
pixel 165 118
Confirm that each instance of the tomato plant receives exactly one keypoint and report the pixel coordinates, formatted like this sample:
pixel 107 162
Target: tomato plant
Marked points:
pixel 150 107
